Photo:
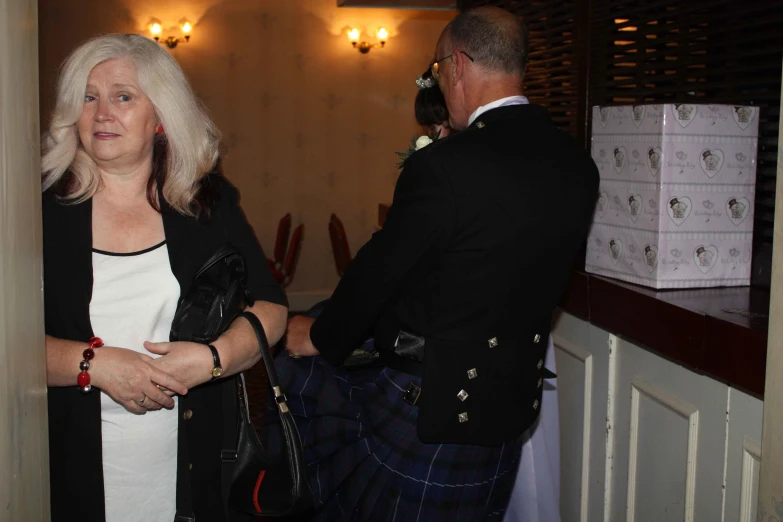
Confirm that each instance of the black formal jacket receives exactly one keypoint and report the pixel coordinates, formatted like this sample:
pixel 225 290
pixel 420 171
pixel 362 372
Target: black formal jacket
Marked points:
pixel 74 418
pixel 475 254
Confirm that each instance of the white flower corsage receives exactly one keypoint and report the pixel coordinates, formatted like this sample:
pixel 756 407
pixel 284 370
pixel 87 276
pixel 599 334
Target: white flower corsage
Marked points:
pixel 416 144
pixel 422 142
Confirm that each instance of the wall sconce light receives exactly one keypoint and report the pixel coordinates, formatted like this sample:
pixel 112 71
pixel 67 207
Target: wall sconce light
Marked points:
pixel 364 47
pixel 171 42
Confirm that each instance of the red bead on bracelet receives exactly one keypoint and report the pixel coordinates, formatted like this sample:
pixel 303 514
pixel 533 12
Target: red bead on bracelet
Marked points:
pixel 83 379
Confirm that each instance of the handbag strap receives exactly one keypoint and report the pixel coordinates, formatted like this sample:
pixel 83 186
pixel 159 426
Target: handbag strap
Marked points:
pixel 269 365
pixel 239 393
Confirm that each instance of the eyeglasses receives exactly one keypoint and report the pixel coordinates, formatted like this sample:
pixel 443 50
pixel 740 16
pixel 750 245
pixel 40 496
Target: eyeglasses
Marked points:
pixel 435 67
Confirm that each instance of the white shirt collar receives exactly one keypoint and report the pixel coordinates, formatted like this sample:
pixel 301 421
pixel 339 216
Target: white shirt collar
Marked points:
pixel 511 100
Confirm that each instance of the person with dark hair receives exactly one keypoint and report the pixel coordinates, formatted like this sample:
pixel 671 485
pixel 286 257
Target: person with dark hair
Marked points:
pixel 430 107
pixel 457 290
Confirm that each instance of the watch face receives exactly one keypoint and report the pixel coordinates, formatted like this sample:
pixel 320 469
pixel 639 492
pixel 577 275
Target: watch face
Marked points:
pixel 217 371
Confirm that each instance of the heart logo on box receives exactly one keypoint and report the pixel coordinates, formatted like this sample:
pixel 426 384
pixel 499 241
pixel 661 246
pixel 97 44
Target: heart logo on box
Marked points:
pixel 737 209
pixel 620 155
pixel 675 252
pixel 684 114
pixel 603 115
pixel 743 116
pixel 637 113
pixel 634 206
pixel 711 161
pixel 705 257
pixel 615 250
pixel 602 203
pixel 654 160
pixel 679 209
pixel 650 257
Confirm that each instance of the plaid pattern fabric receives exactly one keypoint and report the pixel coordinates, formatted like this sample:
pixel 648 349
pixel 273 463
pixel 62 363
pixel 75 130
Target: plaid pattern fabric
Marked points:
pixel 366 462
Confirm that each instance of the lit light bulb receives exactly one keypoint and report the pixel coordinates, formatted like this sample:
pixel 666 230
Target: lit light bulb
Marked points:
pixel 155 29
pixel 186 27
pixel 353 35
pixel 383 34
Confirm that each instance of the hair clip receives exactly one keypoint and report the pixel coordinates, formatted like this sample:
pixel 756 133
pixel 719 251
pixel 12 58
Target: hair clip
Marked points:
pixel 426 83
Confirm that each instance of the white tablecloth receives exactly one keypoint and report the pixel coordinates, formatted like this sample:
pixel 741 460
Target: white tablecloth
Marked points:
pixel 536 495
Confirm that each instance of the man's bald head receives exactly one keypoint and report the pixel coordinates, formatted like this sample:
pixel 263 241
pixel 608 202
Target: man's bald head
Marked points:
pixel 496 39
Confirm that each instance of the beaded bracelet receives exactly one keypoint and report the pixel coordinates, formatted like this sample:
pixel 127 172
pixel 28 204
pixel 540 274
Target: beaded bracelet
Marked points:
pixel 83 380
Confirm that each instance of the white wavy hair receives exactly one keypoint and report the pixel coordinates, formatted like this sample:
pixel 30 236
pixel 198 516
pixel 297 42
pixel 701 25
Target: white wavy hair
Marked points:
pixel 191 138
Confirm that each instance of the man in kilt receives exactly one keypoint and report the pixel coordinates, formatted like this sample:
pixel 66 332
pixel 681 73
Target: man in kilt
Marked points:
pixel 457 293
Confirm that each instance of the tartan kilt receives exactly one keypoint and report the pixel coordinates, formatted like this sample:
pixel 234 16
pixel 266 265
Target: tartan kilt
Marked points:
pixel 365 460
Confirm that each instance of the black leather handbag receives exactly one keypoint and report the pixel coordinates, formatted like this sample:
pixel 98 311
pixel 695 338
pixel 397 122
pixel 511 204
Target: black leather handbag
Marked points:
pixel 215 298
pixel 261 483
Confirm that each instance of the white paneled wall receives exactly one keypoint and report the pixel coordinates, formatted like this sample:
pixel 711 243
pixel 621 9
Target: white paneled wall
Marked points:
pixel 24 469
pixel 646 440
pixel 743 456
pixel 575 364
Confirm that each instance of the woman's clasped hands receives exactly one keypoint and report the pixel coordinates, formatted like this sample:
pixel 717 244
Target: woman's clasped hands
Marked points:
pixel 141 383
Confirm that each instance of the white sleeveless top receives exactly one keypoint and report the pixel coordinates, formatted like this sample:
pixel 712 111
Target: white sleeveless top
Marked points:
pixel 134 297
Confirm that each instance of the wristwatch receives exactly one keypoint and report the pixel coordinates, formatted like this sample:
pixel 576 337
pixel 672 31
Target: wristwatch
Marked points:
pixel 217 371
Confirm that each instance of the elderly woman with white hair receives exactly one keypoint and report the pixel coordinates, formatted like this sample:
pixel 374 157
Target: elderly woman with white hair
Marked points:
pixel 130 213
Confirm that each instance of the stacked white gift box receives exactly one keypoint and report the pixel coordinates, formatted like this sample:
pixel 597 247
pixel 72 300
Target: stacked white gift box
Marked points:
pixel 675 205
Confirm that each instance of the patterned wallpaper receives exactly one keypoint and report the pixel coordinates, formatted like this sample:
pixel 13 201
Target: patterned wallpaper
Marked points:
pixel 309 123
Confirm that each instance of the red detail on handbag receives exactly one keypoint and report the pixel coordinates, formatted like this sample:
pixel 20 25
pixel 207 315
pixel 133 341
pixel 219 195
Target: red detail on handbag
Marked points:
pixel 255 490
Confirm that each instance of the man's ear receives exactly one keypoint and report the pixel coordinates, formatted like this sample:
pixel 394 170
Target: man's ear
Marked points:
pixel 458 71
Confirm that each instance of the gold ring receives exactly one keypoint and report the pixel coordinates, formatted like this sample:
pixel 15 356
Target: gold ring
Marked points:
pixel 294 355
pixel 141 402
